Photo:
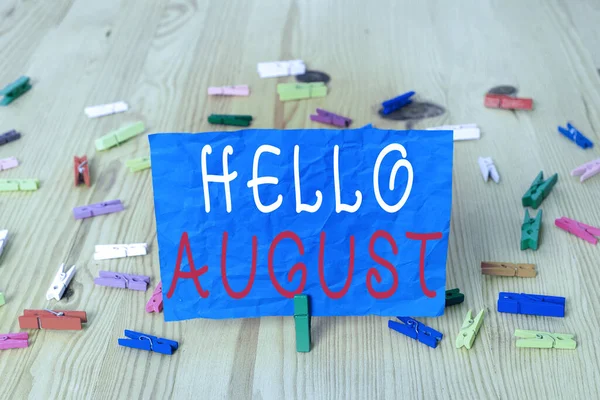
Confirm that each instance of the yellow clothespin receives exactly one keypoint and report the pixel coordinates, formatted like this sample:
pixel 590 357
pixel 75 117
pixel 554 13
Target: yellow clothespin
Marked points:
pixel 18 185
pixel 119 136
pixel 545 340
pixel 469 330
pixel 297 91
pixel 138 164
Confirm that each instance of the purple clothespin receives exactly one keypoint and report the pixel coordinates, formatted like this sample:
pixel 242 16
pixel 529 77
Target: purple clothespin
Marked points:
pixel 9 137
pixel 587 170
pixel 122 281
pixel 8 163
pixel 93 210
pixel 330 118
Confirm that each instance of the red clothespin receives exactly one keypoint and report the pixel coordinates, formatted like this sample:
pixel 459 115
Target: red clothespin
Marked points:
pixel 13 340
pixel 155 304
pixel 82 170
pixel 507 102
pixel 48 319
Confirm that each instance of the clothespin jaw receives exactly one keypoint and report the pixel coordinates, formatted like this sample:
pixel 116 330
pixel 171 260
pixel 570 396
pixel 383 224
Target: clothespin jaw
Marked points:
pixel 106 109
pixel 233 120
pixel 302 323
pixel 155 304
pixel 138 164
pixel 237 90
pixel 587 170
pixel 81 170
pixel 3 239
pixel 122 281
pixel 141 341
pixel 299 91
pixel 48 319
pixel 326 117
pixel 507 102
pixel 539 190
pixel 8 163
pixel 544 340
pixel 9 136
pixel 571 133
pixel 18 185
pixel 14 90
pixel 60 282
pixel 453 297
pixel 416 330
pixel 396 103
pixel 14 340
pixel 469 330
pixel 508 269
pixel 531 304
pixel 579 229
pixel 488 169
pixel 94 210
pixel 119 136
pixel 530 231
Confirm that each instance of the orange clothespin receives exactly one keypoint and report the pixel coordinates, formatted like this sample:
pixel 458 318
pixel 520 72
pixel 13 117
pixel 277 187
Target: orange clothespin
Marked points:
pixel 48 319
pixel 155 304
pixel 508 269
pixel 82 170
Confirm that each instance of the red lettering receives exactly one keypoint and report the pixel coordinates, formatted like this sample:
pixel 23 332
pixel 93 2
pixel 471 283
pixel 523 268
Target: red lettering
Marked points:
pixel 424 237
pixel 300 266
pixel 231 292
pixel 184 243
pixel 373 273
pixel 341 293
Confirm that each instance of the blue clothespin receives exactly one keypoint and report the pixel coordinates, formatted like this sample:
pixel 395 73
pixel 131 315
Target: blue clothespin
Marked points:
pixel 574 135
pixel 531 304
pixel 416 330
pixel 396 103
pixel 142 341
pixel 14 90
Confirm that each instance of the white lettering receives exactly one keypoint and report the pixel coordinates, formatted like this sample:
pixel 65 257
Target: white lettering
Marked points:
pixel 400 163
pixel 264 180
pixel 226 178
pixel 299 206
pixel 339 207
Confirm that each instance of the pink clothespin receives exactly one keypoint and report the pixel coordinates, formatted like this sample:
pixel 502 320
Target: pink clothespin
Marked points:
pixel 587 170
pixel 155 304
pixel 327 117
pixel 13 340
pixel 238 90
pixel 8 163
pixel 581 230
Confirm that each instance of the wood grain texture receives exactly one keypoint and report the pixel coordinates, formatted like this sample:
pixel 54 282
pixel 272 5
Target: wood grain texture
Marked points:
pixel 161 55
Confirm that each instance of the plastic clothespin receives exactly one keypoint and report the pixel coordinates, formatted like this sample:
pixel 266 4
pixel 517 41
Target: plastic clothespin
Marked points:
pixel 18 185
pixel 299 91
pixel 155 304
pixel 141 341
pixel 531 304
pixel 48 319
pixel 9 136
pixel 94 210
pixel 302 323
pixel 119 136
pixel 110 251
pixel 14 340
pixel 60 282
pixel 545 340
pixel 579 229
pixel 138 164
pixel 469 330
pixel 460 132
pixel 507 102
pixel 274 69
pixel 587 170
pixel 14 90
pixel 81 170
pixel 416 330
pixel 233 120
pixel 122 281
pixel 237 90
pixel 8 163
pixel 538 190
pixel 488 169
pixel 3 239
pixel 530 231
pixel 102 110
pixel 571 133
pixel 508 269
pixel 326 117
pixel 396 103
pixel 453 297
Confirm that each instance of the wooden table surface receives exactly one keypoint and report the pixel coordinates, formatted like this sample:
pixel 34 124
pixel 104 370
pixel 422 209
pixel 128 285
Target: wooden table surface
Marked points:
pixel 161 55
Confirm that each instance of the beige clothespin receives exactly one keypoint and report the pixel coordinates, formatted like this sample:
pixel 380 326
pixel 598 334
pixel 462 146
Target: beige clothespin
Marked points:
pixel 508 269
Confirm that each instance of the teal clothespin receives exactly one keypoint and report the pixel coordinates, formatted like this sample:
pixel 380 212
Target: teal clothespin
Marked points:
pixel 530 231
pixel 539 190
pixel 302 322
pixel 234 120
pixel 14 90
pixel 453 297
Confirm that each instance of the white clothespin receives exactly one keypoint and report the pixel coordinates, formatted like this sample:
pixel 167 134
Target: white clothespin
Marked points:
pixel 487 167
pixel 106 109
pixel 109 251
pixel 281 68
pixel 60 282
pixel 3 239
pixel 461 132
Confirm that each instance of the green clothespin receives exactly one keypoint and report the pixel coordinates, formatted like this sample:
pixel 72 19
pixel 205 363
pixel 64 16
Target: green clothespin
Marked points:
pixel 469 330
pixel 530 231
pixel 545 340
pixel 138 164
pixel 539 190
pixel 18 185
pixel 453 297
pixel 302 322
pixel 298 91
pixel 119 136
pixel 234 120
pixel 14 90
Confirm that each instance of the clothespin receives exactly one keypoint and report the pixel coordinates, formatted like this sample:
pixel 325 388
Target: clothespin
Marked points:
pixel 579 229
pixel 119 136
pixel 299 91
pixel 396 103
pixel 138 164
pixel 3 239
pixel 508 269
pixel 2 300
pixel 531 304
pixel 238 90
pixel 530 231
pixel 141 341
pixel 14 90
pixel 9 136
pixel 81 169
pixel 48 319
pixel 571 133
pixel 545 340
pixel 106 109
pixel 110 251
pixel 587 170
pixel 8 163
pixel 233 120
pixel 14 340
pixel 460 132
pixel 18 185
pixel 60 282
pixel 469 330
pixel 326 117
pixel 507 102
pixel 122 281
pixel 302 323
pixel 155 304
pixel 276 69
pixel 487 167
pixel 93 210
pixel 539 190
pixel 416 330
pixel 453 297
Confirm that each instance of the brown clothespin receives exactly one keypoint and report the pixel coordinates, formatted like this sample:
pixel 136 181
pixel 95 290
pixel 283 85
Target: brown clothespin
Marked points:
pixel 508 269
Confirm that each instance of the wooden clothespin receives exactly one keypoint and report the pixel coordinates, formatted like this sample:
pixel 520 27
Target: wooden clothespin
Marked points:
pixel 18 185
pixel 237 90
pixel 453 297
pixel 545 340
pixel 81 170
pixel 48 319
pixel 298 91
pixel 138 164
pixel 122 281
pixel 508 269
pixel 579 229
pixel 274 69
pixel 8 163
pixel 3 239
pixel 106 109
pixel 9 136
pixel 587 170
pixel 119 136
pixel 94 210
pixel 232 120
pixel 539 190
pixel 488 169
pixel 396 103
pixel 326 117
pixel 530 231
pixel 155 304
pixel 469 330
pixel 141 341
pixel 60 282
pixel 507 102
pixel 302 323
pixel 14 90
pixel 531 304
pixel 416 330
pixel 110 251
pixel 14 340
